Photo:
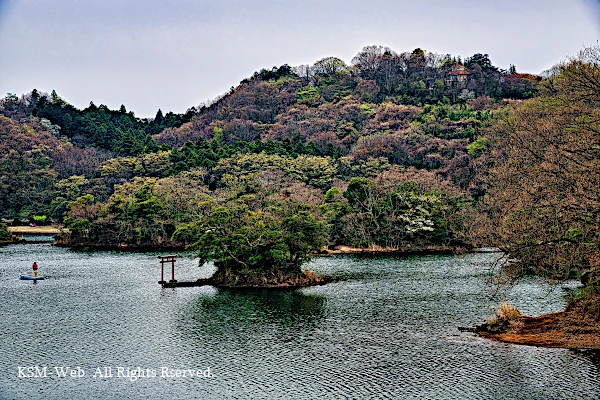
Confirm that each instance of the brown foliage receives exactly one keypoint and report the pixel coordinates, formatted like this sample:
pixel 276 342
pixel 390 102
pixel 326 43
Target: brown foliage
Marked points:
pixel 390 116
pixel 542 195
pixel 177 137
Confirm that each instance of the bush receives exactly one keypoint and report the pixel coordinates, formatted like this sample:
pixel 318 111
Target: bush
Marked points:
pixel 5 235
pixel 40 219
pixel 309 95
pixel 505 313
pixel 478 147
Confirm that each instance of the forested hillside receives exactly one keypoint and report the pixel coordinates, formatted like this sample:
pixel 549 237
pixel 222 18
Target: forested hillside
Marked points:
pixel 381 150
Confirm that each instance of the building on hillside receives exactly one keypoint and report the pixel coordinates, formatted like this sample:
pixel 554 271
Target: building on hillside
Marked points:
pixel 458 76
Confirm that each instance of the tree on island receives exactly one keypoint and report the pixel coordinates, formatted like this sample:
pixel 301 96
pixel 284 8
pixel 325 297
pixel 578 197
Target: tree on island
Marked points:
pixel 258 238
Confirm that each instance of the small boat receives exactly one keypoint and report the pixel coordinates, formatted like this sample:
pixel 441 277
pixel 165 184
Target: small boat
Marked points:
pixel 31 278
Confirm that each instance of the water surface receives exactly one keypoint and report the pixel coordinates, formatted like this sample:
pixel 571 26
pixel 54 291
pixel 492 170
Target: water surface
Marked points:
pixel 386 329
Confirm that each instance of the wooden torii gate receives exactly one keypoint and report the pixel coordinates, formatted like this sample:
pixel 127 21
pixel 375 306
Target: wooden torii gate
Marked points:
pixel 167 259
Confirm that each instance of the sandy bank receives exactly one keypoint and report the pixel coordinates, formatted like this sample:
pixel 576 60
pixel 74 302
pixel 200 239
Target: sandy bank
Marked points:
pixel 33 230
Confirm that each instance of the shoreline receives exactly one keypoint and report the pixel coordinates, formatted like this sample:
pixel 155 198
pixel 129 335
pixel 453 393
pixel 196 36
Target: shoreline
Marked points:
pixel 228 280
pixel 325 252
pixel 33 230
pixel 564 329
pixel 429 250
pixel 221 285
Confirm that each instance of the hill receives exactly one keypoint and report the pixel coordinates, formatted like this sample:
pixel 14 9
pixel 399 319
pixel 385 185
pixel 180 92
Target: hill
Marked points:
pixel 387 116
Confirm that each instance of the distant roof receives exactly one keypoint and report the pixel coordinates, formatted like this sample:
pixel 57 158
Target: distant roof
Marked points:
pixel 459 69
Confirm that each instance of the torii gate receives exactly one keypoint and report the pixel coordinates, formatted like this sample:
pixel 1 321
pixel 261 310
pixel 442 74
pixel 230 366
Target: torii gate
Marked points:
pixel 167 259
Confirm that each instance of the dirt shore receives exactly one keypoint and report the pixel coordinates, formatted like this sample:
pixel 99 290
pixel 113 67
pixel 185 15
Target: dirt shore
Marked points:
pixel 33 230
pixel 569 330
pixel 341 249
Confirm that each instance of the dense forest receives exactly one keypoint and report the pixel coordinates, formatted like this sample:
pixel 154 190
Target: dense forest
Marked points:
pixel 388 118
pixel 403 151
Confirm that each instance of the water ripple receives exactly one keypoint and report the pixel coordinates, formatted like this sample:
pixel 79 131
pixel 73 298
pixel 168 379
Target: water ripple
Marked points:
pixel 386 332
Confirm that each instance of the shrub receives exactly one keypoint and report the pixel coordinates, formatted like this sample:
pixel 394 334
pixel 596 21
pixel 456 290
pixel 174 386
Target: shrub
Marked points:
pixel 40 219
pixel 478 147
pixel 505 313
pixel 309 95
pixel 4 233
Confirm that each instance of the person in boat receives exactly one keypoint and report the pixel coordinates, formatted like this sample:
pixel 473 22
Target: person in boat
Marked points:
pixel 35 269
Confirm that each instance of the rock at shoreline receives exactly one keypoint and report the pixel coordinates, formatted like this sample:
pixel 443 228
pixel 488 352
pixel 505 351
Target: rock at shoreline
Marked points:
pixel 272 280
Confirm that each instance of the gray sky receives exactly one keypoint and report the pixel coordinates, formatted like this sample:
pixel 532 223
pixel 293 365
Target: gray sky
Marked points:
pixel 151 54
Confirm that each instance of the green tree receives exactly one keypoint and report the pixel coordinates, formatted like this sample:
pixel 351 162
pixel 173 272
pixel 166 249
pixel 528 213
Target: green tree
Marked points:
pixel 243 240
pixel 256 232
pixel 5 235
pixel 393 218
pixel 309 95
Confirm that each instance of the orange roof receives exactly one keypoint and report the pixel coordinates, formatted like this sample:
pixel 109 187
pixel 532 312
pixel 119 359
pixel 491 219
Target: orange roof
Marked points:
pixel 459 69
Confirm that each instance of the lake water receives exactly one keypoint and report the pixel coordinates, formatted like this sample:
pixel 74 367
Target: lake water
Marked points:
pixel 386 329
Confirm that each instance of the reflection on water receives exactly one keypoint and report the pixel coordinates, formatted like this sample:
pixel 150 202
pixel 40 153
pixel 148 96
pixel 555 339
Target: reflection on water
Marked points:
pixel 592 355
pixel 228 309
pixel 388 329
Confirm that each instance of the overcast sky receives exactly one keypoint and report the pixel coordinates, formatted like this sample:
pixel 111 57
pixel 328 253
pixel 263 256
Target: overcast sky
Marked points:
pixel 151 54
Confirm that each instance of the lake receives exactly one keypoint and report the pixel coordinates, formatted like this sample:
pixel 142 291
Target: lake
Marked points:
pixel 387 328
